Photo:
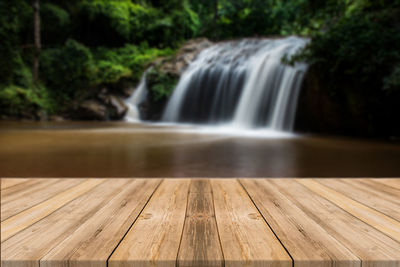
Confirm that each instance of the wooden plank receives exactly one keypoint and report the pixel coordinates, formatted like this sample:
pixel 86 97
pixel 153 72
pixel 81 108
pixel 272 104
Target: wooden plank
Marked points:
pixel 24 219
pixel 392 182
pixel 23 189
pixel 96 238
pixel 306 241
pixel 20 187
pixel 201 222
pixel 154 238
pixel 15 203
pixel 372 217
pixel 26 248
pixel 200 186
pixel 371 198
pixel 386 191
pixel 8 182
pixel 200 244
pixel 245 237
pixel 371 246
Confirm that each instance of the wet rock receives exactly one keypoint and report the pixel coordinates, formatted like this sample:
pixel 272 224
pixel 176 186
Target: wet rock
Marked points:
pixel 56 118
pixel 186 54
pixel 103 107
pixel 116 107
pixel 91 110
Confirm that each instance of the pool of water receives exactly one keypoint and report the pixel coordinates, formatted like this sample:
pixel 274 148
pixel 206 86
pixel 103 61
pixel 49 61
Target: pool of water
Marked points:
pixel 118 149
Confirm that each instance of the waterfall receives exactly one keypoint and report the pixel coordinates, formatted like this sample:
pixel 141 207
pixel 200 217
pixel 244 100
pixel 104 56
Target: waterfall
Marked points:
pixel 242 83
pixel 138 96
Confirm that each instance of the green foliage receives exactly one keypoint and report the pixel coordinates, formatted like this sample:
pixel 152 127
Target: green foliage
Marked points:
pixel 160 84
pixel 74 71
pixel 357 59
pixel 18 95
pixel 21 75
pixel 56 23
pixel 360 49
pixel 13 69
pixel 122 19
pixel 15 100
pixel 13 15
pixel 245 18
pixel 54 15
pixel 116 22
pixel 171 28
pixel 69 71
pixel 130 57
pixel 109 72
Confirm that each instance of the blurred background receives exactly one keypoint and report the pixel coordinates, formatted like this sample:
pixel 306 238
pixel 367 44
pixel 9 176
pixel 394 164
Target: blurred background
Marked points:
pixel 76 99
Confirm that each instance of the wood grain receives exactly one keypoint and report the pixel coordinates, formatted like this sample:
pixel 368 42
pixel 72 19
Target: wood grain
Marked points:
pixel 245 237
pixel 365 195
pixel 371 246
pixel 154 238
pixel 388 192
pixel 20 187
pixel 8 182
pixel 15 203
pixel 305 240
pixel 31 244
pixel 26 188
pixel 95 239
pixel 22 220
pixel 200 244
pixel 200 222
pixel 370 216
pixel 394 183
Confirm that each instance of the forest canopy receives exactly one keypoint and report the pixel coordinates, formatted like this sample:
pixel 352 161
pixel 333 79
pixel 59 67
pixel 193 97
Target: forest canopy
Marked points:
pixel 86 44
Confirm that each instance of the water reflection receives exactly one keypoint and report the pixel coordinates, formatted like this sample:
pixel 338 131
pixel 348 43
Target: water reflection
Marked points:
pixel 121 150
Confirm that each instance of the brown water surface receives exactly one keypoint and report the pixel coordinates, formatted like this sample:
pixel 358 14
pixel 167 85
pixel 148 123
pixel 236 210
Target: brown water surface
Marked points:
pixel 90 149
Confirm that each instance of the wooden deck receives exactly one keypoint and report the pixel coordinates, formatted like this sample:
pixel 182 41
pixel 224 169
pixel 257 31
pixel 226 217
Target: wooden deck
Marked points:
pixel 195 222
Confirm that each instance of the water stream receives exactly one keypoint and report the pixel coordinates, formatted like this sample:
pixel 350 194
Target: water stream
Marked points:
pixel 138 96
pixel 240 83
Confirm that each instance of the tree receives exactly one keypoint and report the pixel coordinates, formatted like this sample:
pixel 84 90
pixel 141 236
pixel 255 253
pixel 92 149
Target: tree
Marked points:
pixel 37 43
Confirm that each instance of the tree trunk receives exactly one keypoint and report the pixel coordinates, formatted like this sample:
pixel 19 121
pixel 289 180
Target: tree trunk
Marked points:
pixel 36 36
pixel 214 25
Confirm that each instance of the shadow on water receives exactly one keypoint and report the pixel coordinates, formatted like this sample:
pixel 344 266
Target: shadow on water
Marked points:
pixel 89 149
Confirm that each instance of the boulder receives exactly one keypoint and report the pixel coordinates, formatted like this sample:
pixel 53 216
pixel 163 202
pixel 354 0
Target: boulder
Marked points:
pixel 90 110
pixel 116 107
pixel 56 118
pixel 102 107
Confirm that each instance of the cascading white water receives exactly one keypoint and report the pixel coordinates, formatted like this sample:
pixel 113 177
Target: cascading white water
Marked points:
pixel 240 82
pixel 138 96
